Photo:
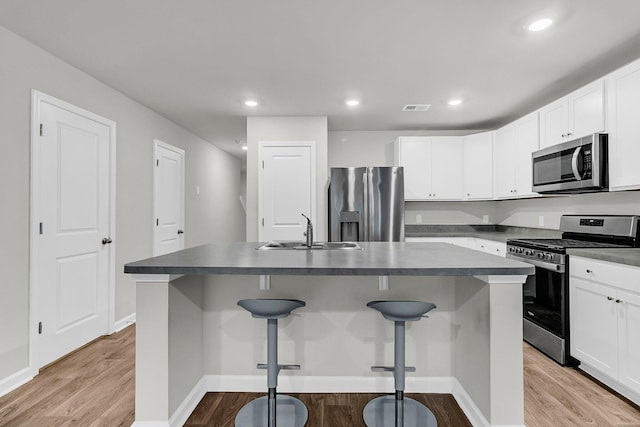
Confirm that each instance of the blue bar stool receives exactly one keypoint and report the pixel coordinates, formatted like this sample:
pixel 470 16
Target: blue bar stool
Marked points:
pixel 261 412
pixel 398 411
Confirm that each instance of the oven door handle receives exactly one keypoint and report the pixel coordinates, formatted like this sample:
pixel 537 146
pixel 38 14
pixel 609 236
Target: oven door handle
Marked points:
pixel 574 164
pixel 558 268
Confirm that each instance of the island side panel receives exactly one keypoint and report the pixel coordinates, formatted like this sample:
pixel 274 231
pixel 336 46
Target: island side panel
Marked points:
pixel 186 366
pixel 152 355
pixel 169 347
pixel 488 346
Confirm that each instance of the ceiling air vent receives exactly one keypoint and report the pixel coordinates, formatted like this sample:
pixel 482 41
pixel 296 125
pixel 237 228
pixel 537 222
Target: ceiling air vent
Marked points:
pixel 416 107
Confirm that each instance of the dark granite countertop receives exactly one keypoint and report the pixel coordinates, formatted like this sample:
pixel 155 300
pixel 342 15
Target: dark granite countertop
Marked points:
pixel 629 256
pixel 498 233
pixel 375 259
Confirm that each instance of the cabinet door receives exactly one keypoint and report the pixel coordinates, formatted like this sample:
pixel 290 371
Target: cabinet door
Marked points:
pixel 593 320
pixel 629 339
pixel 446 168
pixel 504 146
pixel 478 166
pixel 527 138
pixel 414 154
pixel 586 110
pixel 623 104
pixel 553 123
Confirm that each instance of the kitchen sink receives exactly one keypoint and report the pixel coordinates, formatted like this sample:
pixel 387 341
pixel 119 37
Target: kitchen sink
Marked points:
pixel 328 246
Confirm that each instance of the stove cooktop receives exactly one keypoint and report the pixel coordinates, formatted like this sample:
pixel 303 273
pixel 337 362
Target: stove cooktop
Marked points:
pixel 560 245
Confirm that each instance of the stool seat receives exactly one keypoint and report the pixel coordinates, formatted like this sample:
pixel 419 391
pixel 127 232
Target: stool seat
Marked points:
pixel 270 308
pixel 402 311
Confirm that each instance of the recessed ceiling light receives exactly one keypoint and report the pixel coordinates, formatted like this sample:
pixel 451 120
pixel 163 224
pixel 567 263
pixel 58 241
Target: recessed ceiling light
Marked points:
pixel 454 102
pixel 352 102
pixel 251 103
pixel 540 24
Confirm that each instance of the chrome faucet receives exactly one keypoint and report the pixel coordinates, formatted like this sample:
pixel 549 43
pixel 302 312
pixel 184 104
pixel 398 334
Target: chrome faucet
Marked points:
pixel 309 232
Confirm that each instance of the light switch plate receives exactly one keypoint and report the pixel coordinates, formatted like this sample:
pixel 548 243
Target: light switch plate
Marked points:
pixel 419 218
pixel 541 220
pixel 485 219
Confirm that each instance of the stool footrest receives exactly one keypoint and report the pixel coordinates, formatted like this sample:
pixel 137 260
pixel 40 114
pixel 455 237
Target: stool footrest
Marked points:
pixel 285 367
pixel 391 369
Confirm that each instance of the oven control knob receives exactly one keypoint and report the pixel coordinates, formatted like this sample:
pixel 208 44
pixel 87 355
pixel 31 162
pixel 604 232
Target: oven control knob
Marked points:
pixel 548 257
pixel 520 250
pixel 540 255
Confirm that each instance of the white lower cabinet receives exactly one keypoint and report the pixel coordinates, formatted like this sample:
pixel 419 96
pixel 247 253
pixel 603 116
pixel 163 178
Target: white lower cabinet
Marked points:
pixel 604 312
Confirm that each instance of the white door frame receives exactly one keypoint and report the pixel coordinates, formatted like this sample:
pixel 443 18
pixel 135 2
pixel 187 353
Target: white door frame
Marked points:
pixel 158 143
pixel 261 146
pixel 38 98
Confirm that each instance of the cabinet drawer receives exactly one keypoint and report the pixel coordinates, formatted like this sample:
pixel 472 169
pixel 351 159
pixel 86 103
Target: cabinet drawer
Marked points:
pixel 618 275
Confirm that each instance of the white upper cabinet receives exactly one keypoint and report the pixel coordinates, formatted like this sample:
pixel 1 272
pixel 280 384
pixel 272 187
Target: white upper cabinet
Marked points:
pixel 414 154
pixel 478 166
pixel 446 167
pixel 576 115
pixel 512 148
pixel 623 106
pixel 432 167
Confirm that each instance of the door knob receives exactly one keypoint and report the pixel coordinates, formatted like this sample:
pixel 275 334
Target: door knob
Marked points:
pixel 180 232
pixel 106 240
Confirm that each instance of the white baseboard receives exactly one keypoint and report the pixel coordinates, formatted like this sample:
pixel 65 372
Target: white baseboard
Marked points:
pixel 189 404
pixel 468 406
pixel 123 323
pixel 15 380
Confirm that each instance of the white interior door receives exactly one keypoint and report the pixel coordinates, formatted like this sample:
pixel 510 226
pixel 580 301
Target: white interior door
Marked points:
pixel 287 190
pixel 168 201
pixel 72 258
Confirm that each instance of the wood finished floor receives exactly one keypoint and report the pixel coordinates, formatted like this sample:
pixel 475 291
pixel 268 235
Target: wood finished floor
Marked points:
pixel 95 387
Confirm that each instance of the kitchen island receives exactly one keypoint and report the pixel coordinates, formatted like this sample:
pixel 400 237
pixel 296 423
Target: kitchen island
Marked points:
pixel 192 338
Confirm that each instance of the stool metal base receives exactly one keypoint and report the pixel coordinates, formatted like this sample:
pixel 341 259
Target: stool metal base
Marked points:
pixel 290 412
pixel 381 412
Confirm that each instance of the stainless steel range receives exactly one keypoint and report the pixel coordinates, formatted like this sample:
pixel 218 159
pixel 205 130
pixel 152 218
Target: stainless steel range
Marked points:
pixel 546 294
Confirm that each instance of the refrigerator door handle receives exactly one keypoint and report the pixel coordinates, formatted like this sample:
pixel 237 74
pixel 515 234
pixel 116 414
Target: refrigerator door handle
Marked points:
pixel 364 220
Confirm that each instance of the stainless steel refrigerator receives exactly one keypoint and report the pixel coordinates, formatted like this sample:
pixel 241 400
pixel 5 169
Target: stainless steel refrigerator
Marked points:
pixel 366 204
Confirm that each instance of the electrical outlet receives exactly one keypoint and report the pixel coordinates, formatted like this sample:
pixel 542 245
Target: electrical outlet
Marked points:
pixel 485 219
pixel 541 220
pixel 419 218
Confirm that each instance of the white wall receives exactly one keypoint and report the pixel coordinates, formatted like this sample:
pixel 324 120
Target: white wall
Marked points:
pixel 215 214
pixel 526 213
pixel 287 129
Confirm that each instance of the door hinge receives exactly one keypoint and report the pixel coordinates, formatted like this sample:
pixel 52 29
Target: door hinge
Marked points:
pixel 157 162
pixel 157 222
pixel 39 328
pixel 41 129
pixel 263 222
pixel 263 164
pixel 41 228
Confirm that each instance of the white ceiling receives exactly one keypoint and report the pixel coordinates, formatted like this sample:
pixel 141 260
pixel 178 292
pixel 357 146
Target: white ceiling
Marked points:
pixel 196 61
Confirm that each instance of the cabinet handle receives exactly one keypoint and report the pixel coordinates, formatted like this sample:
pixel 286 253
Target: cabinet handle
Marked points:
pixel 564 135
pixel 610 298
pixel 618 301
pixel 589 271
pixel 569 134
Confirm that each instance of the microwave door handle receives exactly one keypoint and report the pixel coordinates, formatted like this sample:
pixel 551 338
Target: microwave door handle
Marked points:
pixel 574 164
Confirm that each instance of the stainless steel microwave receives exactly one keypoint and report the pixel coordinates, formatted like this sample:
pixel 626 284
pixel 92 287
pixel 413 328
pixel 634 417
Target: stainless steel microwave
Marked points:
pixel 578 166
